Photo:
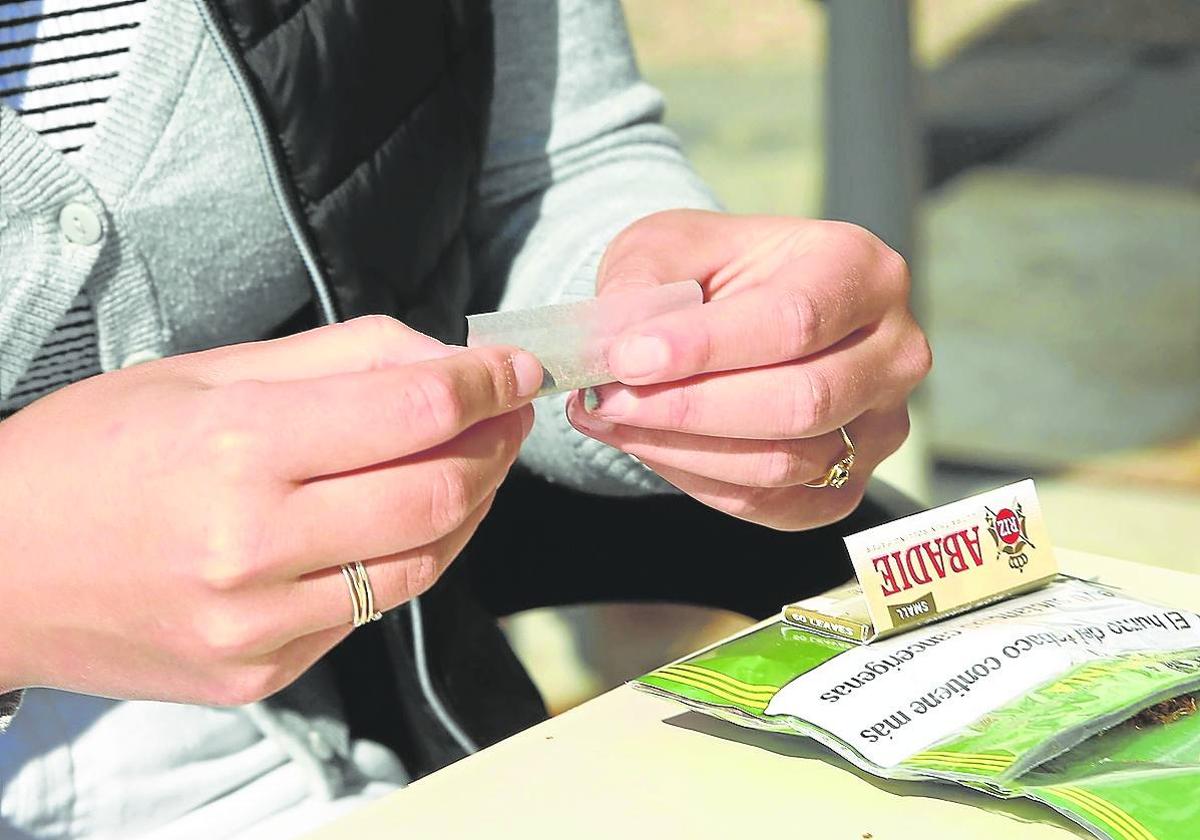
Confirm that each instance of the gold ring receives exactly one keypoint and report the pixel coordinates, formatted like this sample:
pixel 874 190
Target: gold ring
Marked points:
pixel 839 473
pixel 362 598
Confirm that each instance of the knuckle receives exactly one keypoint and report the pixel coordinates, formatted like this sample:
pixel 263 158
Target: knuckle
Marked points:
pixel 888 264
pixel 801 322
pixel 379 332
pixel 431 399
pixel 896 272
pixel 640 233
pixel 890 436
pixel 232 555
pixel 900 429
pixel 513 433
pixel 632 255
pixel 707 351
pixel 820 403
pixel 449 498
pixel 912 359
pixel 850 237
pixel 381 338
pixel 625 240
pixel 922 355
pixel 497 371
pixel 230 442
pixel 779 466
pixel 368 325
pixel 807 407
pixel 233 454
pixel 225 571
pixel 225 635
pixel 420 574
pixel 681 407
pixel 399 580
pixel 526 418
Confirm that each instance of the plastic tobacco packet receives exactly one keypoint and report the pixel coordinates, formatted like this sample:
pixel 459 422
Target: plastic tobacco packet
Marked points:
pixel 935 564
pixel 1002 699
pixel 572 339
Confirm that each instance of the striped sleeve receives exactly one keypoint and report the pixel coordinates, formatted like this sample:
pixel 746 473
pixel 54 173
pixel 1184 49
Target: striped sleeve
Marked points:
pixel 59 62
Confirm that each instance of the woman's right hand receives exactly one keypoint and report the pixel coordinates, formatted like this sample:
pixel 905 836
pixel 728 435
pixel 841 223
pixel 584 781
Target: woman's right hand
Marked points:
pixel 175 531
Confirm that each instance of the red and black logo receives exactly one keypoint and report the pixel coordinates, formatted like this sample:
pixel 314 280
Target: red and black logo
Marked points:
pixel 1007 527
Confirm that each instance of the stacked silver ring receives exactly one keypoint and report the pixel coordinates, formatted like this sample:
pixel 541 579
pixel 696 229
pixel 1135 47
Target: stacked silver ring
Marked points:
pixel 361 596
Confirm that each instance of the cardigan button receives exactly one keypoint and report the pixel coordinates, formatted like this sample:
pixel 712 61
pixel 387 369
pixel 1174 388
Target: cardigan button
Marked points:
pixel 320 746
pixel 80 224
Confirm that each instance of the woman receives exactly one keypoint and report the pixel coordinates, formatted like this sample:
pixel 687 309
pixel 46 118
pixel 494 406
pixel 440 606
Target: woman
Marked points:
pixel 198 516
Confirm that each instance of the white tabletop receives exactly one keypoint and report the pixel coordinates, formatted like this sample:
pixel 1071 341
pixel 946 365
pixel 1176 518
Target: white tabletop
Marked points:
pixel 630 764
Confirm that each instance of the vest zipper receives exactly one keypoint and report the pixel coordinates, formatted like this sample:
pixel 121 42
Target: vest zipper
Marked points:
pixel 289 207
pixel 284 196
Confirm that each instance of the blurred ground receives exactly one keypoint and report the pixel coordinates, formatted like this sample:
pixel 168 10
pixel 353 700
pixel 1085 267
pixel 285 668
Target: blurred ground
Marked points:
pixel 1059 270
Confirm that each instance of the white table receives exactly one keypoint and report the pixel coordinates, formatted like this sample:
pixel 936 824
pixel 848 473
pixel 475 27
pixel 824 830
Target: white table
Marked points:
pixel 633 765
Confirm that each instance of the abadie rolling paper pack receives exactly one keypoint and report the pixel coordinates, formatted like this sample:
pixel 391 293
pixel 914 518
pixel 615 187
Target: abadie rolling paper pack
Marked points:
pixel 935 564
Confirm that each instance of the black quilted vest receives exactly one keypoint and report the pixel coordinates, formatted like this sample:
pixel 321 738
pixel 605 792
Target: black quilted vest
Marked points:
pixel 378 110
pixel 376 115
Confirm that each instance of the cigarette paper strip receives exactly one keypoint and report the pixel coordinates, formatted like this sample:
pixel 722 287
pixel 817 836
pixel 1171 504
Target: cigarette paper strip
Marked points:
pixel 572 339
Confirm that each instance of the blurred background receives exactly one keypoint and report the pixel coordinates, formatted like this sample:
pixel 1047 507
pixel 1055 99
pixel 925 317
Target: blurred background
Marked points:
pixel 1038 162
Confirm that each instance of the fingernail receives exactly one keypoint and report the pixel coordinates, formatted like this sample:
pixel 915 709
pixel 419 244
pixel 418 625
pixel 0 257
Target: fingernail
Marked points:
pixel 612 402
pixel 577 413
pixel 528 372
pixel 527 418
pixel 638 356
pixel 591 400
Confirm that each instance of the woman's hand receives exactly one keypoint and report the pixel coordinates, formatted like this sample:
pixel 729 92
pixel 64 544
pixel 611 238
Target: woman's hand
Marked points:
pixel 806 327
pixel 175 531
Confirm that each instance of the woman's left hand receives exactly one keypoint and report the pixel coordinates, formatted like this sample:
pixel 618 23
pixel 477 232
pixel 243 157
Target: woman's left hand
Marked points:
pixel 806 327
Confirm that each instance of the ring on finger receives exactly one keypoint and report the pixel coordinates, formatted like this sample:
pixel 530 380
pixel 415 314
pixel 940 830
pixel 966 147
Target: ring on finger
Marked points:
pixel 839 473
pixel 362 597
